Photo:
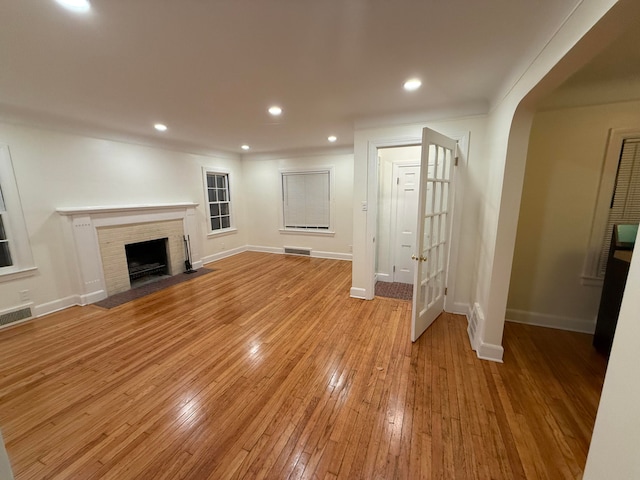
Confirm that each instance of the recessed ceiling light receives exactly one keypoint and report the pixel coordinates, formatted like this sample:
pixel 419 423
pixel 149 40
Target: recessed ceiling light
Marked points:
pixel 245 147
pixel 412 84
pixel 332 138
pixel 160 127
pixel 75 5
pixel 275 110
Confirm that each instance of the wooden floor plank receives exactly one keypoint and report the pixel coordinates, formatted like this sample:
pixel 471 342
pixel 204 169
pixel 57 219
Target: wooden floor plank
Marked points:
pixel 266 368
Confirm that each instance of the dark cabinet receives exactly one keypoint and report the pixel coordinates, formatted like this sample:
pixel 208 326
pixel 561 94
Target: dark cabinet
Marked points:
pixel 622 243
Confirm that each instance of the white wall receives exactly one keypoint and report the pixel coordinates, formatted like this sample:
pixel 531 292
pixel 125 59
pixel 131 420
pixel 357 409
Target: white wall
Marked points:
pixel 55 170
pixel 564 165
pixel 469 179
pixel 384 255
pixel 616 436
pixel 262 191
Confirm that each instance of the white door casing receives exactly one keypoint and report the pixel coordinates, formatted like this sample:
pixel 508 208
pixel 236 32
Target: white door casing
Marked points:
pixel 433 231
pixel 405 196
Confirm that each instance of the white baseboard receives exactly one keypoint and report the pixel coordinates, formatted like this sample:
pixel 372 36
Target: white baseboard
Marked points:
pixel 551 321
pixel 257 248
pixel 92 297
pixel 314 254
pixel 57 305
pixel 221 255
pixel 360 293
pixel 487 351
pixel 383 277
pixel 484 351
pixel 460 308
pixel 332 255
pixel 197 264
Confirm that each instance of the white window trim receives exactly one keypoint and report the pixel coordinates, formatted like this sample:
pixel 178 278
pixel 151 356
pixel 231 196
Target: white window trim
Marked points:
pixel 15 225
pixel 601 213
pixel 307 231
pixel 225 231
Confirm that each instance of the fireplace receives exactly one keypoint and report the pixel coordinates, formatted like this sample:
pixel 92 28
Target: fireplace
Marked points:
pixel 100 234
pixel 147 261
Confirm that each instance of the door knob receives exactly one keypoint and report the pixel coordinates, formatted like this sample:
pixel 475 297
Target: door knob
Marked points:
pixel 423 259
pixel 413 257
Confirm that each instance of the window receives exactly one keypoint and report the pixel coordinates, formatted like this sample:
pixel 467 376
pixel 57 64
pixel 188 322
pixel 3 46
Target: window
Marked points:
pixel 618 199
pixel 15 251
pixel 5 252
pixel 625 201
pixel 306 200
pixel 218 196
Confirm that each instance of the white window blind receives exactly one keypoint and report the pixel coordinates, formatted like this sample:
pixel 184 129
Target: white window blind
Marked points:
pixel 306 199
pixel 625 202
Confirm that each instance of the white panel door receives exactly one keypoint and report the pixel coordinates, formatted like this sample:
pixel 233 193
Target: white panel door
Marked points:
pixel 407 179
pixel 434 222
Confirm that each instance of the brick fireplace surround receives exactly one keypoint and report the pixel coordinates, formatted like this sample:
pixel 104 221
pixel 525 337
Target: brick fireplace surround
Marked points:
pixel 100 234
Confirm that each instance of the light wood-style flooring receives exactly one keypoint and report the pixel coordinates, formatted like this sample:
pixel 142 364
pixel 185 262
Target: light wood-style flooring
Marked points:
pixel 267 369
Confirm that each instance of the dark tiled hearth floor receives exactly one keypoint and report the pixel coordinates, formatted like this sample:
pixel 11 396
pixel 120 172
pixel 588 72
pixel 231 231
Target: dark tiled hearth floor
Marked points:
pixel 146 289
pixel 403 291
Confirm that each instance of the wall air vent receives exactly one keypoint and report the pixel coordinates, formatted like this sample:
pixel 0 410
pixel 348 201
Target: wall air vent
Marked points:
pixel 15 316
pixel 297 251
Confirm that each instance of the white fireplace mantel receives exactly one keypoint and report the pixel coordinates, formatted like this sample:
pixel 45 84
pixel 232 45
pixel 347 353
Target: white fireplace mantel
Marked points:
pixel 84 222
pixel 124 208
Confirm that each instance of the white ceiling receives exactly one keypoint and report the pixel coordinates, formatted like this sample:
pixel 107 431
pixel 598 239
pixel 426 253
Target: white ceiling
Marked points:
pixel 611 76
pixel 209 69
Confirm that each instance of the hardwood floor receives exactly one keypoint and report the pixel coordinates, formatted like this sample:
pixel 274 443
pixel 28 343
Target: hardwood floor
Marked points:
pixel 267 369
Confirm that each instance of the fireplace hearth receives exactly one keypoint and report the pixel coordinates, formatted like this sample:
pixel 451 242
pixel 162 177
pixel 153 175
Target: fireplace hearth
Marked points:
pixel 147 261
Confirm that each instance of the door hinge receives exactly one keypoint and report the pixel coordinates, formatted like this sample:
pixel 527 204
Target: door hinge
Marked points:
pixel 445 290
pixel 394 269
pixel 398 181
pixel 456 162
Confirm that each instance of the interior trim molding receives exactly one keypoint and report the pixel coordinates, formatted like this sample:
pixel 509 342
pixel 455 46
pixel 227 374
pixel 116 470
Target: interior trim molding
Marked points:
pixel 488 351
pixel 572 324
pixel 359 293
pixel 224 254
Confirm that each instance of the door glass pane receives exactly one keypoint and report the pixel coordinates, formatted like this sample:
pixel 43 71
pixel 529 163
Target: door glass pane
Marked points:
pixel 426 239
pixel 437 205
pixel 445 197
pixel 440 169
pixel 447 165
pixel 429 199
pixel 431 168
pixel 433 261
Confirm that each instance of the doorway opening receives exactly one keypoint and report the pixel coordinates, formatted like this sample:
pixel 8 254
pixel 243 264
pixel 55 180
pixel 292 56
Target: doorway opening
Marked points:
pixel 398 188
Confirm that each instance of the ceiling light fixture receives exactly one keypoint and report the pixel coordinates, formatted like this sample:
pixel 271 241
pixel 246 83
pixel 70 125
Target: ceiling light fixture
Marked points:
pixel 412 84
pixel 245 147
pixel 161 127
pixel 332 138
pixel 79 6
pixel 275 110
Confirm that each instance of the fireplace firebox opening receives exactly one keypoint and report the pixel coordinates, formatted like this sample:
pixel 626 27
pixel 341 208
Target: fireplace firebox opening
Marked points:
pixel 147 261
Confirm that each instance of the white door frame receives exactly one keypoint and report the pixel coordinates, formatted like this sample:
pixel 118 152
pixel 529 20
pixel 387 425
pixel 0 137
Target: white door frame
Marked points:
pixel 372 210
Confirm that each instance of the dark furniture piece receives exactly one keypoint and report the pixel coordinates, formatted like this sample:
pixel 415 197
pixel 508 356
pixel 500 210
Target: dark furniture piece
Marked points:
pixel 615 278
